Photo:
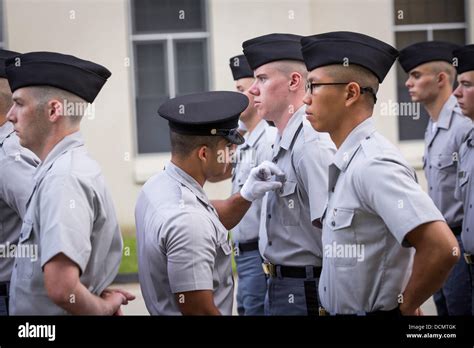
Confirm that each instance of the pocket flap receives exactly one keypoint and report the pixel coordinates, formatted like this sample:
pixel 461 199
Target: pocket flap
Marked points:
pixel 443 161
pixel 289 187
pixel 340 218
pixel 26 230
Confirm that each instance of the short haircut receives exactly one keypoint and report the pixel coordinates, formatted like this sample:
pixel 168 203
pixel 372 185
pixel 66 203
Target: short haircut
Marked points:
pixel 442 66
pixel 290 66
pixel 354 73
pixel 44 94
pixel 182 145
pixel 6 101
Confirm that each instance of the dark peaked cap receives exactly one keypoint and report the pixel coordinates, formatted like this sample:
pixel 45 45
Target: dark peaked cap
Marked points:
pixel 465 58
pixel 240 67
pixel 425 52
pixel 4 55
pixel 272 47
pixel 354 48
pixel 208 113
pixel 80 77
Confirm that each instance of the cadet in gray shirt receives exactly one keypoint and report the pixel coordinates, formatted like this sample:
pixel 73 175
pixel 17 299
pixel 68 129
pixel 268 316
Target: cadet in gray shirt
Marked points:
pixel 17 166
pixel 70 240
pixel 184 250
pixel 465 189
pixel 375 208
pixel 293 252
pixel 430 82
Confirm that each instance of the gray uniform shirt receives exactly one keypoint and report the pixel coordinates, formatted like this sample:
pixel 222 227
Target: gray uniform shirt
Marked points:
pixel 465 190
pixel 71 212
pixel 182 245
pixel 374 201
pixel 304 155
pixel 17 166
pixel 440 160
pixel 256 149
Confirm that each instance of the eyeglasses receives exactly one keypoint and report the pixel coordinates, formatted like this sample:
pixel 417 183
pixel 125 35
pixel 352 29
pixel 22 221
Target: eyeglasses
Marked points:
pixel 309 86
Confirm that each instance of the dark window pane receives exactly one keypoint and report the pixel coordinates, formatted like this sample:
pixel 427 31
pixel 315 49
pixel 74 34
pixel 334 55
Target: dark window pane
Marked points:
pixel 457 36
pixel 191 67
pixel 151 90
pixel 158 16
pixel 408 127
pixel 428 11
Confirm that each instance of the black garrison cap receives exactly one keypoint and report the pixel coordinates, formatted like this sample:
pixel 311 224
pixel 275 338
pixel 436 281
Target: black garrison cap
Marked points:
pixel 240 67
pixel 272 47
pixel 4 55
pixel 465 58
pixel 345 47
pixel 424 52
pixel 208 113
pixel 80 77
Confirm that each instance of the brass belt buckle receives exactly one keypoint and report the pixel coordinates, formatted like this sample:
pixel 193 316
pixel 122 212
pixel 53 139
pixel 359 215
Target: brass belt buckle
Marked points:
pixel 323 312
pixel 468 258
pixel 268 269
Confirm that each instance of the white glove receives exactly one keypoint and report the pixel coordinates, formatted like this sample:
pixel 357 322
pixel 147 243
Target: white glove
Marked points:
pixel 259 181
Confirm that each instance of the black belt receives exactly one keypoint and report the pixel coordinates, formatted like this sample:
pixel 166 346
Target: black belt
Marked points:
pixel 250 246
pixel 4 288
pixel 387 314
pixel 456 230
pixel 289 271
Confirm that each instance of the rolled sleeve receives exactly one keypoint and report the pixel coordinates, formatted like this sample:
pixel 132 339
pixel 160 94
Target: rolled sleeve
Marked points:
pixel 390 190
pixel 191 253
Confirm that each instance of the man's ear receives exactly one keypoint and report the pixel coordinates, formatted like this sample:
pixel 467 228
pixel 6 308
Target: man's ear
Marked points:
pixel 352 93
pixel 55 110
pixel 203 153
pixel 295 81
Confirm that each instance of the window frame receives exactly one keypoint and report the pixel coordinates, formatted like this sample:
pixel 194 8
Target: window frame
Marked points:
pixel 146 164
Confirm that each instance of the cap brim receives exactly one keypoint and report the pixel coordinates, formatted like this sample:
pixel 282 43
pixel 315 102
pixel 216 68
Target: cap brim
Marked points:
pixel 235 138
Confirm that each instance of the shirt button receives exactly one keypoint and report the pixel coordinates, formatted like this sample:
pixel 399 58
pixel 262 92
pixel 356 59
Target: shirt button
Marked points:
pixel 439 164
pixel 275 160
pixel 332 189
pixel 270 243
pixel 333 223
pixel 431 188
pixel 430 166
pixel 269 216
pixel 470 205
pixel 368 137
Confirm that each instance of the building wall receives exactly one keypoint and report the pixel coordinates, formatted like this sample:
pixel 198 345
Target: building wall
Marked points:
pixel 99 30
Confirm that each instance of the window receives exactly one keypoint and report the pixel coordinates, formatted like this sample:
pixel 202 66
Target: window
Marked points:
pixel 170 48
pixel 2 40
pixel 424 20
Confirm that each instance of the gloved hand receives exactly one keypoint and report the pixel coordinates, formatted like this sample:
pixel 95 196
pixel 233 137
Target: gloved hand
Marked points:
pixel 259 181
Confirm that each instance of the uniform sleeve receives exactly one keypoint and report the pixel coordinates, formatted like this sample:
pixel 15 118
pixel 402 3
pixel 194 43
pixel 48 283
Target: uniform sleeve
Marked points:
pixel 16 182
pixel 389 189
pixel 312 169
pixel 190 248
pixel 66 208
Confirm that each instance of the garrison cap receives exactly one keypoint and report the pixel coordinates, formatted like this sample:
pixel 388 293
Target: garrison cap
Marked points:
pixel 345 46
pixel 272 47
pixel 424 52
pixel 80 77
pixel 465 58
pixel 240 67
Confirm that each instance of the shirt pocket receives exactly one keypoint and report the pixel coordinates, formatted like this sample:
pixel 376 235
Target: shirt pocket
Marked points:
pixel 26 252
pixel 344 248
pixel 445 165
pixel 289 205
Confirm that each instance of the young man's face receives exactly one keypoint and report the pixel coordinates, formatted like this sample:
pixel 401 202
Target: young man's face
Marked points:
pixel 243 85
pixel 464 93
pixel 29 120
pixel 422 84
pixel 270 90
pixel 324 104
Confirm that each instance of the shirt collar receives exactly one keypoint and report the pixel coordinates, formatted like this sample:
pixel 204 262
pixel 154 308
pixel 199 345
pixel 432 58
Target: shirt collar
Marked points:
pixel 446 114
pixel 187 180
pixel 252 138
pixel 350 145
pixel 5 131
pixel 291 128
pixel 66 144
